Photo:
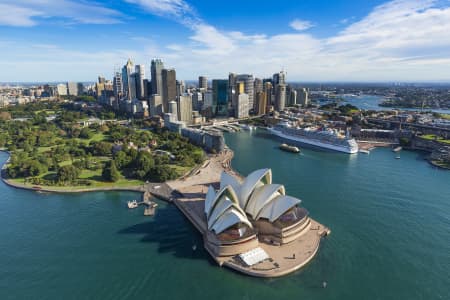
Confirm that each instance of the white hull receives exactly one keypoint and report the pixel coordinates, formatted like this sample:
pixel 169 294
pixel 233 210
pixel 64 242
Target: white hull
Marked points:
pixel 314 142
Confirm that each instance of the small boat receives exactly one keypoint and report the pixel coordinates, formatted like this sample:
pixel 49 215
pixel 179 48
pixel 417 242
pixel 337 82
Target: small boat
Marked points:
pixel 397 157
pixel 397 149
pixel 288 148
pixel 132 204
pixel 364 151
pixel 248 127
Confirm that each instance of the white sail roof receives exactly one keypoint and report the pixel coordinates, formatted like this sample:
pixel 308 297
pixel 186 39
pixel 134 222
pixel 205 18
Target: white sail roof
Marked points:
pixel 227 179
pixel 222 205
pixel 262 196
pixel 209 200
pixel 231 217
pixel 251 182
pixel 277 207
pixel 212 198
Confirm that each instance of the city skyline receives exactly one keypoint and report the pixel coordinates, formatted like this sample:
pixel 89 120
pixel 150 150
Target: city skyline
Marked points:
pixel 312 41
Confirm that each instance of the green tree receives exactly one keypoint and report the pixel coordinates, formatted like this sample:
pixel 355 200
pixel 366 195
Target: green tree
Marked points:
pixel 86 133
pixel 121 159
pixel 102 148
pixel 110 172
pixel 67 173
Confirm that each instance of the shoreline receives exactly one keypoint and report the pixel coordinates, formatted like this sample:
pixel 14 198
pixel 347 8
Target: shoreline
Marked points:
pixel 143 189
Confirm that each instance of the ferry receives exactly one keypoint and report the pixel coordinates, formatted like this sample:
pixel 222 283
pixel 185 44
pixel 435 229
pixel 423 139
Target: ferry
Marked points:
pixel 397 149
pixel 289 148
pixel 323 138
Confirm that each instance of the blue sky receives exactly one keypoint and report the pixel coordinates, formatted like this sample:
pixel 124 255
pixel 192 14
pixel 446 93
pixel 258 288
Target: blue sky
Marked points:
pixel 371 40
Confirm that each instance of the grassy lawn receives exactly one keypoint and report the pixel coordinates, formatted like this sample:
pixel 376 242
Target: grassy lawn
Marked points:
pixel 445 116
pixel 97 137
pixel 179 169
pixel 432 137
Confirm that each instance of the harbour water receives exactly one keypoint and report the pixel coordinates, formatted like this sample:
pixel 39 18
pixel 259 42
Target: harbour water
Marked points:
pixel 372 102
pixel 390 222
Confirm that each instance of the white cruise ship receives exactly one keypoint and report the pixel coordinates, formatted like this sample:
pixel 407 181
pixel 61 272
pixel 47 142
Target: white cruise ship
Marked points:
pixel 324 138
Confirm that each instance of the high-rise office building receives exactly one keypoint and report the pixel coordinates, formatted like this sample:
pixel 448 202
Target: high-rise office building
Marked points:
pixel 117 86
pixel 101 79
pixel 72 88
pixel 241 110
pixel 280 99
pixel 127 72
pixel 279 78
pixel 261 103
pixel 220 97
pixel 202 82
pixel 181 88
pixel 169 87
pixel 147 89
pixel 249 83
pixel 207 100
pixel 259 86
pixel 231 89
pixel 140 86
pixel 156 71
pixel 62 89
pixel 292 97
pixel 303 97
pixel 156 107
pixel 197 101
pixel 173 109
pixel 185 108
pixel 268 89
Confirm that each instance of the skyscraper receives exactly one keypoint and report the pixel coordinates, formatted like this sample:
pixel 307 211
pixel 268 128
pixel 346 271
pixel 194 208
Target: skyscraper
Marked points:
pixel 268 89
pixel 181 88
pixel 169 87
pixel 185 108
pixel 261 103
pixel 241 110
pixel 197 101
pixel 249 83
pixel 292 97
pixel 127 71
pixel 156 71
pixel 258 85
pixel 117 86
pixel 303 97
pixel 231 89
pixel 220 97
pixel 280 99
pixel 156 107
pixel 72 88
pixel 202 82
pixel 279 78
pixel 62 89
pixel 173 109
pixel 140 87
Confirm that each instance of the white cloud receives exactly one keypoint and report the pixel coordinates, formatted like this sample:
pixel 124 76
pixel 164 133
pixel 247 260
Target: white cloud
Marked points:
pixel 180 10
pixel 301 25
pixel 32 12
pixel 14 15
pixel 399 40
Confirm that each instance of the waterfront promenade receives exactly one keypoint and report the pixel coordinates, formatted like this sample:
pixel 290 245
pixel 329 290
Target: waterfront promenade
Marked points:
pixel 284 259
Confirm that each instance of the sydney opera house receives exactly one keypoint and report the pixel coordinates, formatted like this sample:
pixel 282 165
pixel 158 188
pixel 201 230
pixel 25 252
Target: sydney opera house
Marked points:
pixel 244 213
pixel 249 223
